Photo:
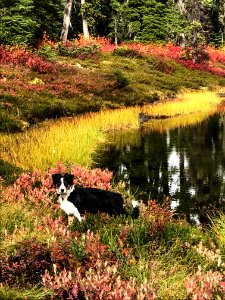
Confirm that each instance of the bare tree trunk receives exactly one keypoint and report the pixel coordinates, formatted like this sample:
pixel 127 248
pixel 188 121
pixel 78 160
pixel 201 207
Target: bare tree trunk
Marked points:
pixel 115 30
pixel 66 20
pixel 181 6
pixel 85 23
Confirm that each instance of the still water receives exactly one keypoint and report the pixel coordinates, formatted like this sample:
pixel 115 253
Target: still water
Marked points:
pixel 186 163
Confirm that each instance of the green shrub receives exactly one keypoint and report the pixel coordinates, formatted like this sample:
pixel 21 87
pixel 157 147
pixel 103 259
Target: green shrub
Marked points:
pixel 121 79
pixel 126 52
pixel 14 217
pixel 35 293
pixel 46 52
pixel 71 50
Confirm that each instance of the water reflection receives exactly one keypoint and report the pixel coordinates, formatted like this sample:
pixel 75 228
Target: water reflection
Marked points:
pixel 187 164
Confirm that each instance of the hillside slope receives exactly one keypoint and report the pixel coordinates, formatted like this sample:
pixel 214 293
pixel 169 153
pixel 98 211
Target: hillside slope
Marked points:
pixel 38 90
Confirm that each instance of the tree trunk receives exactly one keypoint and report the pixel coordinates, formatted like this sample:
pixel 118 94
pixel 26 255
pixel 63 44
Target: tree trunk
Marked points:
pixel 66 20
pixel 85 23
pixel 115 31
pixel 181 6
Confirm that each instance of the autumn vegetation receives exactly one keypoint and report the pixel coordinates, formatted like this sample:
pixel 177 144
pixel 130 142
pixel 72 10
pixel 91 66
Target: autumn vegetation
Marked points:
pixel 159 255
pixel 155 257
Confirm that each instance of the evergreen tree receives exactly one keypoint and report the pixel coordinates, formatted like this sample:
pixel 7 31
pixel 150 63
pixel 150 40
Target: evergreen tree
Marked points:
pixel 217 21
pixel 160 22
pixel 17 21
pixel 26 21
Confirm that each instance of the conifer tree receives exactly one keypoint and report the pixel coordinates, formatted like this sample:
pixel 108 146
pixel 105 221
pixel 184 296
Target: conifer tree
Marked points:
pixel 26 21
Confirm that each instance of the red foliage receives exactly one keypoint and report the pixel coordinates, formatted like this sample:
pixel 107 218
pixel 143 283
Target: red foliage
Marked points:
pixel 24 57
pixel 216 55
pixel 74 265
pixel 159 215
pixel 202 67
pixel 203 286
pixel 26 265
pixel 171 51
pixel 36 187
pixel 103 42
pixel 101 281
pixel 96 178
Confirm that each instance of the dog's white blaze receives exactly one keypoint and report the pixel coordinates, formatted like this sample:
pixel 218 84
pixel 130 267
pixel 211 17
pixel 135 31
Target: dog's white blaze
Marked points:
pixel 134 203
pixel 69 208
pixel 62 187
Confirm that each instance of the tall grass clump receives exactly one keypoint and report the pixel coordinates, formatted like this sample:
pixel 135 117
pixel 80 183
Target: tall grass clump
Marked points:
pixel 72 139
pixel 35 293
pixel 14 217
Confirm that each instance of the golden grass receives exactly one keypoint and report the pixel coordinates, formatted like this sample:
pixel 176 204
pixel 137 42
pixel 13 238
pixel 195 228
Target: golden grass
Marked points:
pixel 76 139
pixel 72 139
pixel 162 125
pixel 187 103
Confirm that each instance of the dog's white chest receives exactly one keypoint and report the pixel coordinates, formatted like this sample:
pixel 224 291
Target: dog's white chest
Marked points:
pixel 68 207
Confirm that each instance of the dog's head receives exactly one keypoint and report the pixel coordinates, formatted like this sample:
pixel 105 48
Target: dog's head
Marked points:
pixel 63 183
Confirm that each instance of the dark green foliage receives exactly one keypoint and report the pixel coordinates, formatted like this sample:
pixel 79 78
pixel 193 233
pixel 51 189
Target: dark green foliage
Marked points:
pixel 17 21
pixel 46 52
pixel 216 23
pixel 26 21
pixel 45 110
pixel 78 250
pixel 10 124
pixel 160 22
pixel 125 52
pixel 71 50
pixel 10 120
pixel 121 79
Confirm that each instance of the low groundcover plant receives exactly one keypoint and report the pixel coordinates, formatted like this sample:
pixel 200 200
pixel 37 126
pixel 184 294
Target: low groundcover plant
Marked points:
pixel 153 257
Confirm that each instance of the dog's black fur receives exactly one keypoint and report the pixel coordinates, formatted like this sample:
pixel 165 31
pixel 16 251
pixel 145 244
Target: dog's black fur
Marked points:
pixel 91 200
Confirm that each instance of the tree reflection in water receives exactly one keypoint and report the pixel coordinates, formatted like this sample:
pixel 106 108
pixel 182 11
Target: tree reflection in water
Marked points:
pixel 186 163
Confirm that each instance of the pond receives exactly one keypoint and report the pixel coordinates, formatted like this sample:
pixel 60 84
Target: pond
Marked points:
pixel 186 164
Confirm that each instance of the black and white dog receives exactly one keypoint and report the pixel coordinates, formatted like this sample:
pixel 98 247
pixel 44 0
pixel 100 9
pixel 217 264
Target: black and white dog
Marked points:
pixel 75 201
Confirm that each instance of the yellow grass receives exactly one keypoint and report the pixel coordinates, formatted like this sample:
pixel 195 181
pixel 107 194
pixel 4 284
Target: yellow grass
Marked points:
pixel 77 139
pixel 185 104
pixel 162 125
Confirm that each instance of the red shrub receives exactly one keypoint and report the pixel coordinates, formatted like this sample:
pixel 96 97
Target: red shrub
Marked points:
pixel 159 215
pixel 101 281
pixel 26 265
pixel 24 57
pixel 203 286
pixel 216 55
pixel 36 187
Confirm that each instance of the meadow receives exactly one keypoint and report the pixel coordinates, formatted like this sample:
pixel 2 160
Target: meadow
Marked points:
pixel 158 256
pixel 154 257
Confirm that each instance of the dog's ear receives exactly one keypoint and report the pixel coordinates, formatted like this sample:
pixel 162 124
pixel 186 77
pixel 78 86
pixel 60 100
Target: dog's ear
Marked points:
pixel 55 178
pixel 69 178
